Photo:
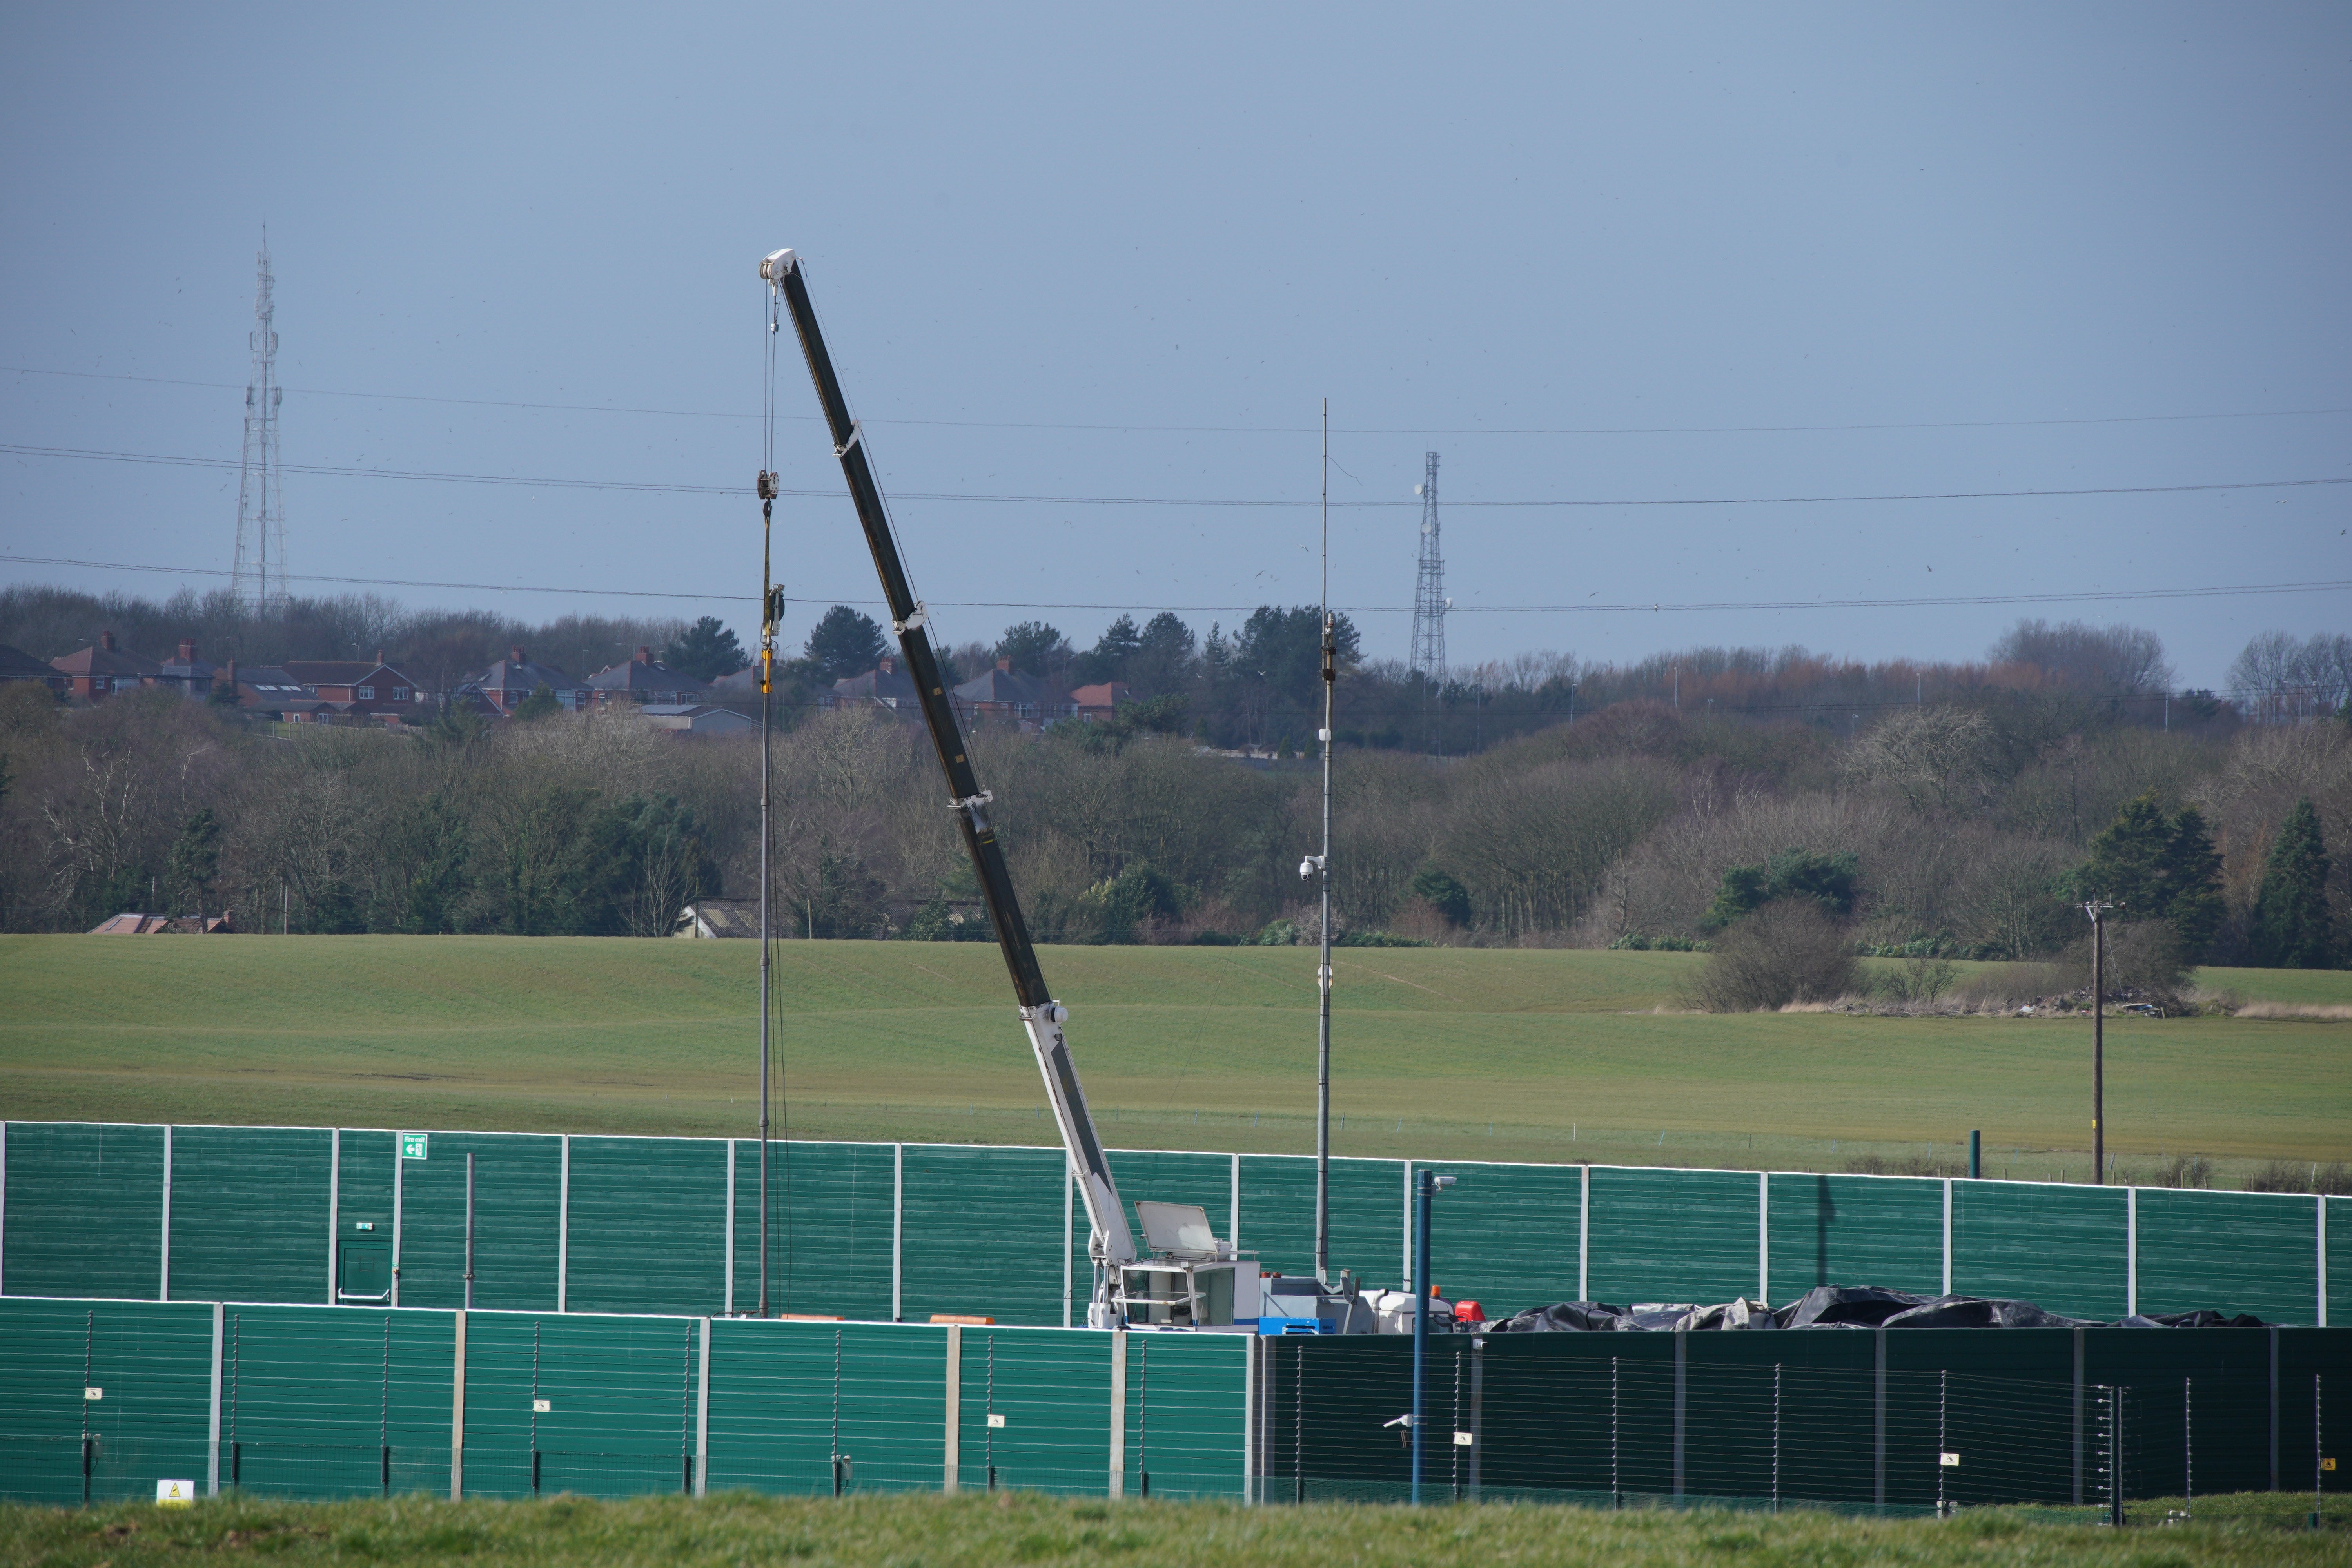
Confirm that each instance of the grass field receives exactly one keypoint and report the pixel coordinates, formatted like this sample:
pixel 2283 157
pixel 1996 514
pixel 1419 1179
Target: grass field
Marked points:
pixel 2257 1529
pixel 1464 1054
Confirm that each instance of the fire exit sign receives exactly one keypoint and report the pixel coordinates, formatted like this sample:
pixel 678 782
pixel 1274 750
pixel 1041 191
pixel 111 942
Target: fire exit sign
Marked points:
pixel 412 1145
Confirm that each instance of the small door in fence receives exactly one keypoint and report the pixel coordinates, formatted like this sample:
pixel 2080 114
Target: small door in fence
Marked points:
pixel 364 1270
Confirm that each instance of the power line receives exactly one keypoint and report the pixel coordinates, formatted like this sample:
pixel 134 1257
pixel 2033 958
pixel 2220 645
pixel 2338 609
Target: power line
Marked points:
pixel 1961 601
pixel 657 487
pixel 1233 429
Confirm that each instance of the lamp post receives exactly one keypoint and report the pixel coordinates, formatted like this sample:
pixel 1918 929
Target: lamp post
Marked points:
pixel 1426 1184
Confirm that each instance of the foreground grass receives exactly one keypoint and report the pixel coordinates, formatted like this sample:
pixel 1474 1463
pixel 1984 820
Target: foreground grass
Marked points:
pixel 1015 1528
pixel 1442 1053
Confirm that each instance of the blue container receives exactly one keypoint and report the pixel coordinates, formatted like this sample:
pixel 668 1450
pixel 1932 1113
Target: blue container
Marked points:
pixel 1297 1326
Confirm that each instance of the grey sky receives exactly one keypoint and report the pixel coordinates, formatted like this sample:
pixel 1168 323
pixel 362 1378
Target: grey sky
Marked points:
pixel 1454 222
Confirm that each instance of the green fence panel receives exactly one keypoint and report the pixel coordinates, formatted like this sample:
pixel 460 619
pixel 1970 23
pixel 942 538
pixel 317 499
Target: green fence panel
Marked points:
pixel 786 1399
pixel 363 1181
pixel 1857 1230
pixel 85 1210
pixel 981 1229
pixel 1052 1387
pixel 2061 1246
pixel 1505 1237
pixel 249 1213
pixel 1817 1416
pixel 2234 1252
pixel 620 1395
pixel 313 1398
pixel 517 1182
pixel 1368 1209
pixel 2339 1262
pixel 150 1363
pixel 649 1229
pixel 829 1222
pixel 2325 1354
pixel 1186 1415
pixel 1673 1235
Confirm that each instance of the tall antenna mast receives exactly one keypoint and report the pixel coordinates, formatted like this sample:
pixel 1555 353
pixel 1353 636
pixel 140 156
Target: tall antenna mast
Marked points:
pixel 1323 875
pixel 258 578
pixel 1429 600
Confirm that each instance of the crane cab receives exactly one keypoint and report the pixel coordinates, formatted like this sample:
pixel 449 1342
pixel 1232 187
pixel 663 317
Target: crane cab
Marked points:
pixel 1187 1279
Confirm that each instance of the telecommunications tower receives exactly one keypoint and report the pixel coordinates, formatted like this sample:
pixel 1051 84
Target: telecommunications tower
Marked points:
pixel 259 578
pixel 1429 600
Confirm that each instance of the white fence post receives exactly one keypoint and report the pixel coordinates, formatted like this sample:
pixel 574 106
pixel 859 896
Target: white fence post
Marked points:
pixel 163 1274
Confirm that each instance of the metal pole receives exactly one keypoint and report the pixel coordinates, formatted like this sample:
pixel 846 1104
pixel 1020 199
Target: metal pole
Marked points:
pixel 2098 1045
pixel 469 1230
pixel 1976 1154
pixel 1323 870
pixel 769 613
pixel 1422 1187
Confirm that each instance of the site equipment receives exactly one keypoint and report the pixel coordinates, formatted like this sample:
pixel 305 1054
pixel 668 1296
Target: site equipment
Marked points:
pixel 1189 1278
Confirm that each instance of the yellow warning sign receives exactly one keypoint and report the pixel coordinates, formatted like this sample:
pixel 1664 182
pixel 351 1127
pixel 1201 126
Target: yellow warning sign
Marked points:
pixel 175 1494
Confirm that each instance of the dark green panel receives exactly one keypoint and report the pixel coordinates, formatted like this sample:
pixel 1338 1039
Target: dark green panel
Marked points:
pixel 2189 1397
pixel 85 1213
pixel 1857 1230
pixel 249 1213
pixel 2234 1252
pixel 1186 1420
pixel 311 1396
pixel 2339 1262
pixel 829 1228
pixel 2061 1246
pixel 1822 1387
pixel 785 1398
pixel 621 1397
pixel 2305 1354
pixel 2001 1399
pixel 517 1180
pixel 1368 1217
pixel 649 1225
pixel 1052 1388
pixel 1506 1236
pixel 982 1229
pixel 363 1191
pixel 1673 1235
pixel 152 1362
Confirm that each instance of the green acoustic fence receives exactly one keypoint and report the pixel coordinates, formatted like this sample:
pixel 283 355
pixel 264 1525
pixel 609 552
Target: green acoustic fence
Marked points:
pixel 883 1232
pixel 102 1400
pixel 1884 1421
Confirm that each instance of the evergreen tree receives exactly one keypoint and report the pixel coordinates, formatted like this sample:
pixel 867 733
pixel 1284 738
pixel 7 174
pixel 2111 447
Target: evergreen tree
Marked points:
pixel 706 651
pixel 542 703
pixel 845 643
pixel 1034 647
pixel 2127 860
pixel 2192 883
pixel 2293 928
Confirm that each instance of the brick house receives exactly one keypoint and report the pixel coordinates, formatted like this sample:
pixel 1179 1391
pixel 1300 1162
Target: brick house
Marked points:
pixel 508 683
pixel 16 664
pixel 364 690
pixel 186 674
pixel 1098 702
pixel 884 686
pixel 1005 698
pixel 645 679
pixel 98 672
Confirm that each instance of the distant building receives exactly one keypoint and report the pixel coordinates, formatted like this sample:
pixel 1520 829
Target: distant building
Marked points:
pixel 1003 697
pixel 191 677
pixel 507 684
pixel 697 718
pixel 362 690
pixel 131 924
pixel 719 918
pixel 1099 702
pixel 644 680
pixel 103 670
pixel 16 664
pixel 884 686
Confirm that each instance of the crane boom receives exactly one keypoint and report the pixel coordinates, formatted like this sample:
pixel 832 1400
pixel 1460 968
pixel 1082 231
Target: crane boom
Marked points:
pixel 1111 1243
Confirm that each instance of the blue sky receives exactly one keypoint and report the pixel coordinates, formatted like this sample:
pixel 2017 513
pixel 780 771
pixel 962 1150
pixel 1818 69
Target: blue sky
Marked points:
pixel 1598 253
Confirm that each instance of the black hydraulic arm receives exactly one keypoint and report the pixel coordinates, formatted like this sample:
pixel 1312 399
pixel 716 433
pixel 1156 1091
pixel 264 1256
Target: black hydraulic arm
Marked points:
pixel 908 619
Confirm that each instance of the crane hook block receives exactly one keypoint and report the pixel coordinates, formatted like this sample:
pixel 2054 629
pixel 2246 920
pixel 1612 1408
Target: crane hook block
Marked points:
pixel 767 485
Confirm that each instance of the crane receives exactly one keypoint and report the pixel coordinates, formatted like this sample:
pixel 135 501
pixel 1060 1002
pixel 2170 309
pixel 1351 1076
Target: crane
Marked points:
pixel 1190 1278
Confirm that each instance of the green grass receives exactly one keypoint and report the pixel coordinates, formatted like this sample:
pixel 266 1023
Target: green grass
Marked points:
pixel 1466 1054
pixel 1017 1528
